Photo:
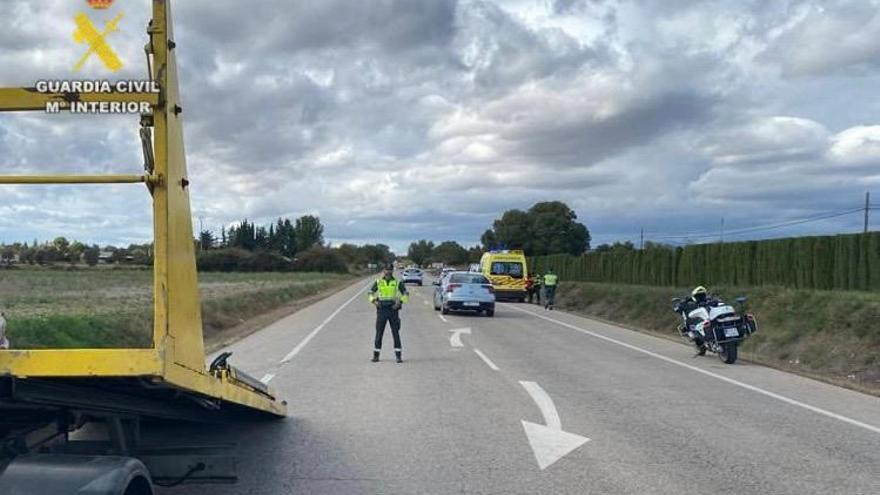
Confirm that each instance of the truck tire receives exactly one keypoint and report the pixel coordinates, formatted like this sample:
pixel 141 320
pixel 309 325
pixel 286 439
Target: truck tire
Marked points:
pixel 728 352
pixel 66 474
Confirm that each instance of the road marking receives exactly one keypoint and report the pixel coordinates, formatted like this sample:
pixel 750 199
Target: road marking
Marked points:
pixel 723 378
pixel 314 332
pixel 545 404
pixel 443 318
pixel 267 378
pixel 549 443
pixel 455 338
pixel 486 360
pixel 426 301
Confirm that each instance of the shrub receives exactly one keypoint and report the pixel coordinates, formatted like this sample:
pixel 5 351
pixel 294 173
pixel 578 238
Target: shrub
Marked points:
pixel 239 260
pixel 320 259
pixel 221 260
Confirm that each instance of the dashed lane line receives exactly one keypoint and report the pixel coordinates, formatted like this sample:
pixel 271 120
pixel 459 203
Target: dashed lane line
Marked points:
pixel 486 360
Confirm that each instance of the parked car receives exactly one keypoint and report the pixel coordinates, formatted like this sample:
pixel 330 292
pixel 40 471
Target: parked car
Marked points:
pixel 464 291
pixel 413 276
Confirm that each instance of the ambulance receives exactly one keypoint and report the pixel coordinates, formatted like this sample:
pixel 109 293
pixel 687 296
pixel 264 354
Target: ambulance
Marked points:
pixel 507 271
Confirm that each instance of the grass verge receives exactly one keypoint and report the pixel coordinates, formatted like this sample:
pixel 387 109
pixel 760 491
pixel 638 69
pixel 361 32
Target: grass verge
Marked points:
pixel 832 335
pixel 115 310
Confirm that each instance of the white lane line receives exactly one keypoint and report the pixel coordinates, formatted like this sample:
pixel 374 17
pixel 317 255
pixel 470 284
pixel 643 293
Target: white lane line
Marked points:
pixel 443 318
pixel 486 360
pixel 723 378
pixel 426 301
pixel 267 378
pixel 545 404
pixel 314 332
pixel 455 338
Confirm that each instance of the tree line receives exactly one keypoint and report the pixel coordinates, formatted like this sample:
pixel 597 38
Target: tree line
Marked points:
pixel 545 228
pixel 840 262
pixel 283 245
pixel 61 250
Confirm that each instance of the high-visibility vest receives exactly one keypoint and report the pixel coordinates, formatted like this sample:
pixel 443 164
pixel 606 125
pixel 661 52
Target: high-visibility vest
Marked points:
pixel 550 279
pixel 388 290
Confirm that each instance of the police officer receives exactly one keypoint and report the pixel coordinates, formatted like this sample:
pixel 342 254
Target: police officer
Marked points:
pixel 530 287
pixel 699 296
pixel 388 295
pixel 550 281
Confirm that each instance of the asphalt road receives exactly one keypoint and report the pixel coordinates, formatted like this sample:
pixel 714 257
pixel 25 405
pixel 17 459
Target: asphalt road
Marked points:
pixel 534 402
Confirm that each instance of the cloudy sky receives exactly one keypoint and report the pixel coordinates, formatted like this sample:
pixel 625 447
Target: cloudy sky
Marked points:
pixel 403 119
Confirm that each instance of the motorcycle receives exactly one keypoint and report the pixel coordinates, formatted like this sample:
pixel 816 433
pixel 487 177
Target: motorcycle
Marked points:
pixel 715 326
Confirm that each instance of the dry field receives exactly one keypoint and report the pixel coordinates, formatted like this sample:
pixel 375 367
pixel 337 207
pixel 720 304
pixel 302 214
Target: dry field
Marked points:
pixel 101 307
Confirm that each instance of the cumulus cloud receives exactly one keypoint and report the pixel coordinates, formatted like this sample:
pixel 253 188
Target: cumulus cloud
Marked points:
pixel 858 145
pixel 819 37
pixel 402 119
pixel 767 140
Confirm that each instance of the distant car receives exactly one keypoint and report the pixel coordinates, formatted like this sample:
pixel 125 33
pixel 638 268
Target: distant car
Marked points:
pixel 464 291
pixel 412 276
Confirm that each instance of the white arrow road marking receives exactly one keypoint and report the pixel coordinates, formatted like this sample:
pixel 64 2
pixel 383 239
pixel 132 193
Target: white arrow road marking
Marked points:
pixel 817 410
pixel 455 338
pixel 314 332
pixel 486 360
pixel 549 443
pixel 545 404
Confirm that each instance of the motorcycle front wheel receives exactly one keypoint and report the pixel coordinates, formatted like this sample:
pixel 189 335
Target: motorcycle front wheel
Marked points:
pixel 728 352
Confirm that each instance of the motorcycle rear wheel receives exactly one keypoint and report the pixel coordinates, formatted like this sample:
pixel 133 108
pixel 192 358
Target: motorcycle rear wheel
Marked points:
pixel 728 352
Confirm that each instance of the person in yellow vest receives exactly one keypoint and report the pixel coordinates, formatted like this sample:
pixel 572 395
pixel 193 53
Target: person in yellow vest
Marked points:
pixel 550 281
pixel 388 295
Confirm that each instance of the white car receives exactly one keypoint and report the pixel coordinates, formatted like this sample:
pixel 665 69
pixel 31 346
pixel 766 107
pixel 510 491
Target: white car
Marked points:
pixel 464 291
pixel 412 276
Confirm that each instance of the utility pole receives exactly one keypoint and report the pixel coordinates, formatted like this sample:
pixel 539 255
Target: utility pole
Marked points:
pixel 722 230
pixel 642 239
pixel 867 209
pixel 201 229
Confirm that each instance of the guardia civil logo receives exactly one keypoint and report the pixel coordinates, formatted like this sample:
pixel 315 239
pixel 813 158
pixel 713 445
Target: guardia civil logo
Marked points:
pixel 95 40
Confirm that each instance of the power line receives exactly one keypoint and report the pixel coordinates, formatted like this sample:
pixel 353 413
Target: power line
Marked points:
pixel 686 238
pixel 813 218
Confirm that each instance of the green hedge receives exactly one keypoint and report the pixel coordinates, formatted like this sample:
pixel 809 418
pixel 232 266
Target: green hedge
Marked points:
pixel 847 262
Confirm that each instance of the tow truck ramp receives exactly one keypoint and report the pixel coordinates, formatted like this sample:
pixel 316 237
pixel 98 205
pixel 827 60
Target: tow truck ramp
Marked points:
pixel 89 420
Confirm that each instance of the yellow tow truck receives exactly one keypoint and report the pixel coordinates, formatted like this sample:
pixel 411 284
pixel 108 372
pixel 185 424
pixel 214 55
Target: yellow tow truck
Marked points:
pixel 74 418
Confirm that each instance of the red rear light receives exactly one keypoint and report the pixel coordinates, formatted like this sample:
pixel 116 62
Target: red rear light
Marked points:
pixel 452 287
pixel 489 288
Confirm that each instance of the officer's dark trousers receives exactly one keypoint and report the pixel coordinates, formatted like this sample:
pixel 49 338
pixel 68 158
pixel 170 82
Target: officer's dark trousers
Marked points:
pixel 549 294
pixel 535 291
pixel 391 316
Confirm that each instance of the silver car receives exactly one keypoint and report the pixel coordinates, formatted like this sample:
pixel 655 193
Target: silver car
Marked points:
pixel 464 291
pixel 412 276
